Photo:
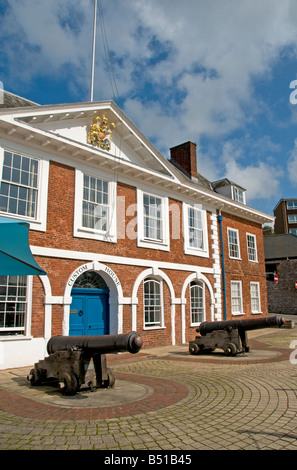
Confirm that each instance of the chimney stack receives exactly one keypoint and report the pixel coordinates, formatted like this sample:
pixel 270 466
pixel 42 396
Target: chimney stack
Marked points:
pixel 185 157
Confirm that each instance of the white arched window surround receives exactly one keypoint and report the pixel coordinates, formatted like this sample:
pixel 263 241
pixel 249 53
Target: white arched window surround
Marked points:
pixel 115 299
pixel 192 277
pixel 157 274
pixel 197 302
pixel 153 303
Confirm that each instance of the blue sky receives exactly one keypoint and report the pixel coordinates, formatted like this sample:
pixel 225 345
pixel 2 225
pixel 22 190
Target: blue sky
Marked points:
pixel 216 72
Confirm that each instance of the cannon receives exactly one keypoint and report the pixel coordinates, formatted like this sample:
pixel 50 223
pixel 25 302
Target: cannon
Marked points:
pixel 229 335
pixel 78 362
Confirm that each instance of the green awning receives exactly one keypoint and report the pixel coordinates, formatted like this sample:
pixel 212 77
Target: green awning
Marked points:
pixel 15 255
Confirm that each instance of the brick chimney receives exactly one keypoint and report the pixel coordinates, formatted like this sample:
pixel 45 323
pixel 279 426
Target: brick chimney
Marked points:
pixel 185 157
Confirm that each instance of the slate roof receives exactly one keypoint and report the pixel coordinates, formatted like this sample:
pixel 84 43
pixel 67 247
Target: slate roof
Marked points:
pixel 277 247
pixel 200 180
pixel 9 100
pixel 225 182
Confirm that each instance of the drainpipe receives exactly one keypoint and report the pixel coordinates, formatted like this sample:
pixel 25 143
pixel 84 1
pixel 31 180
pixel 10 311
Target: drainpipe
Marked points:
pixel 220 218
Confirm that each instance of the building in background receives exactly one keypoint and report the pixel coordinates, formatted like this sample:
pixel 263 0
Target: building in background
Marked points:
pixel 129 239
pixel 285 213
pixel 281 272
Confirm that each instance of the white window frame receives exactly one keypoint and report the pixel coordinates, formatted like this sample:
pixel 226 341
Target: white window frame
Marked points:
pixel 229 229
pixel 257 297
pixel 188 249
pixel 238 195
pixel 239 297
pixel 27 321
pixel 201 287
pixel 109 235
pixel 249 248
pixel 292 205
pixel 160 325
pixel 292 218
pixel 144 242
pixel 39 221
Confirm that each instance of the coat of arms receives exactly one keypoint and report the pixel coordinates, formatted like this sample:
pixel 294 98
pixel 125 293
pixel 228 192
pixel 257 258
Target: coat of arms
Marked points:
pixel 100 134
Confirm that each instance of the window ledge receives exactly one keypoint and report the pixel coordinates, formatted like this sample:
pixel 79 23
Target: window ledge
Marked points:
pixel 155 245
pixel 197 252
pixel 35 224
pixel 93 234
pixel 15 338
pixel 154 327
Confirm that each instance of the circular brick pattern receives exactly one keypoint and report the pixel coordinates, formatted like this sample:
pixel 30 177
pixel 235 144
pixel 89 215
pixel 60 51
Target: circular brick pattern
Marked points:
pixel 184 404
pixel 146 394
pixel 234 407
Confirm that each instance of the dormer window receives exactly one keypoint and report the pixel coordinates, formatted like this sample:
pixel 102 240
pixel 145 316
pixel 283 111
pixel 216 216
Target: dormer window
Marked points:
pixel 230 189
pixel 238 195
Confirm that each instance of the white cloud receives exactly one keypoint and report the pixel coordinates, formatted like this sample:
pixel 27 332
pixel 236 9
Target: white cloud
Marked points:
pixel 292 165
pixel 261 179
pixel 231 42
pixel 46 39
pixel 184 69
pixel 236 39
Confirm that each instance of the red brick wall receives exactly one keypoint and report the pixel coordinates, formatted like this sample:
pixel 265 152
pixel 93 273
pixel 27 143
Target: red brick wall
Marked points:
pixel 244 270
pixel 185 156
pixel 59 234
pixel 280 213
pixel 59 270
pixel 37 317
pixel 191 330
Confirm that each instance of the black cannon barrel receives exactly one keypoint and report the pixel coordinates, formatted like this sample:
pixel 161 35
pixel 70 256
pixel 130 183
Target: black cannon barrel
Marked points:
pixel 247 324
pixel 103 344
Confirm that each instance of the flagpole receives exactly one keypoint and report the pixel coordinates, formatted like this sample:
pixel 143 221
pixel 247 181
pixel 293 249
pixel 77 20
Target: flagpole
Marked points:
pixel 93 53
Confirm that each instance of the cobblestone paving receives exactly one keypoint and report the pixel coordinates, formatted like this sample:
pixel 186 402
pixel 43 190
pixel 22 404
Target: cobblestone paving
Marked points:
pixel 232 406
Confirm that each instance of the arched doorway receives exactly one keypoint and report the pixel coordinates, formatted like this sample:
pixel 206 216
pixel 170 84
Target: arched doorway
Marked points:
pixel 89 310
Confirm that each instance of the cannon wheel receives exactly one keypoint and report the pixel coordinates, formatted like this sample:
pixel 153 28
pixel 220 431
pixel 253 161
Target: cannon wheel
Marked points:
pixel 35 377
pixel 70 384
pixel 230 349
pixel 194 349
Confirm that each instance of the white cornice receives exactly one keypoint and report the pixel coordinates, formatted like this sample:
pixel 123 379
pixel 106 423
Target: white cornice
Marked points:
pixel 17 125
pixel 104 258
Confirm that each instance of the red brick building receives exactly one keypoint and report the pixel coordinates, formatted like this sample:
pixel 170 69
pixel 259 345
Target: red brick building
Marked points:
pixel 285 213
pixel 130 240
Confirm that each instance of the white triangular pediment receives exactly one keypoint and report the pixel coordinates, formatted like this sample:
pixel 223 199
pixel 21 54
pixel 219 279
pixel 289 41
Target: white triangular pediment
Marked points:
pixel 73 122
pixel 61 130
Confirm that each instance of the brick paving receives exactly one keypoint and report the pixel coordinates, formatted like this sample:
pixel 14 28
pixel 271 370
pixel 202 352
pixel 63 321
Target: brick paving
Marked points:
pixel 180 403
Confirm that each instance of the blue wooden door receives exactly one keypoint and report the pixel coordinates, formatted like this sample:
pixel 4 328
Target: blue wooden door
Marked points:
pixel 89 312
